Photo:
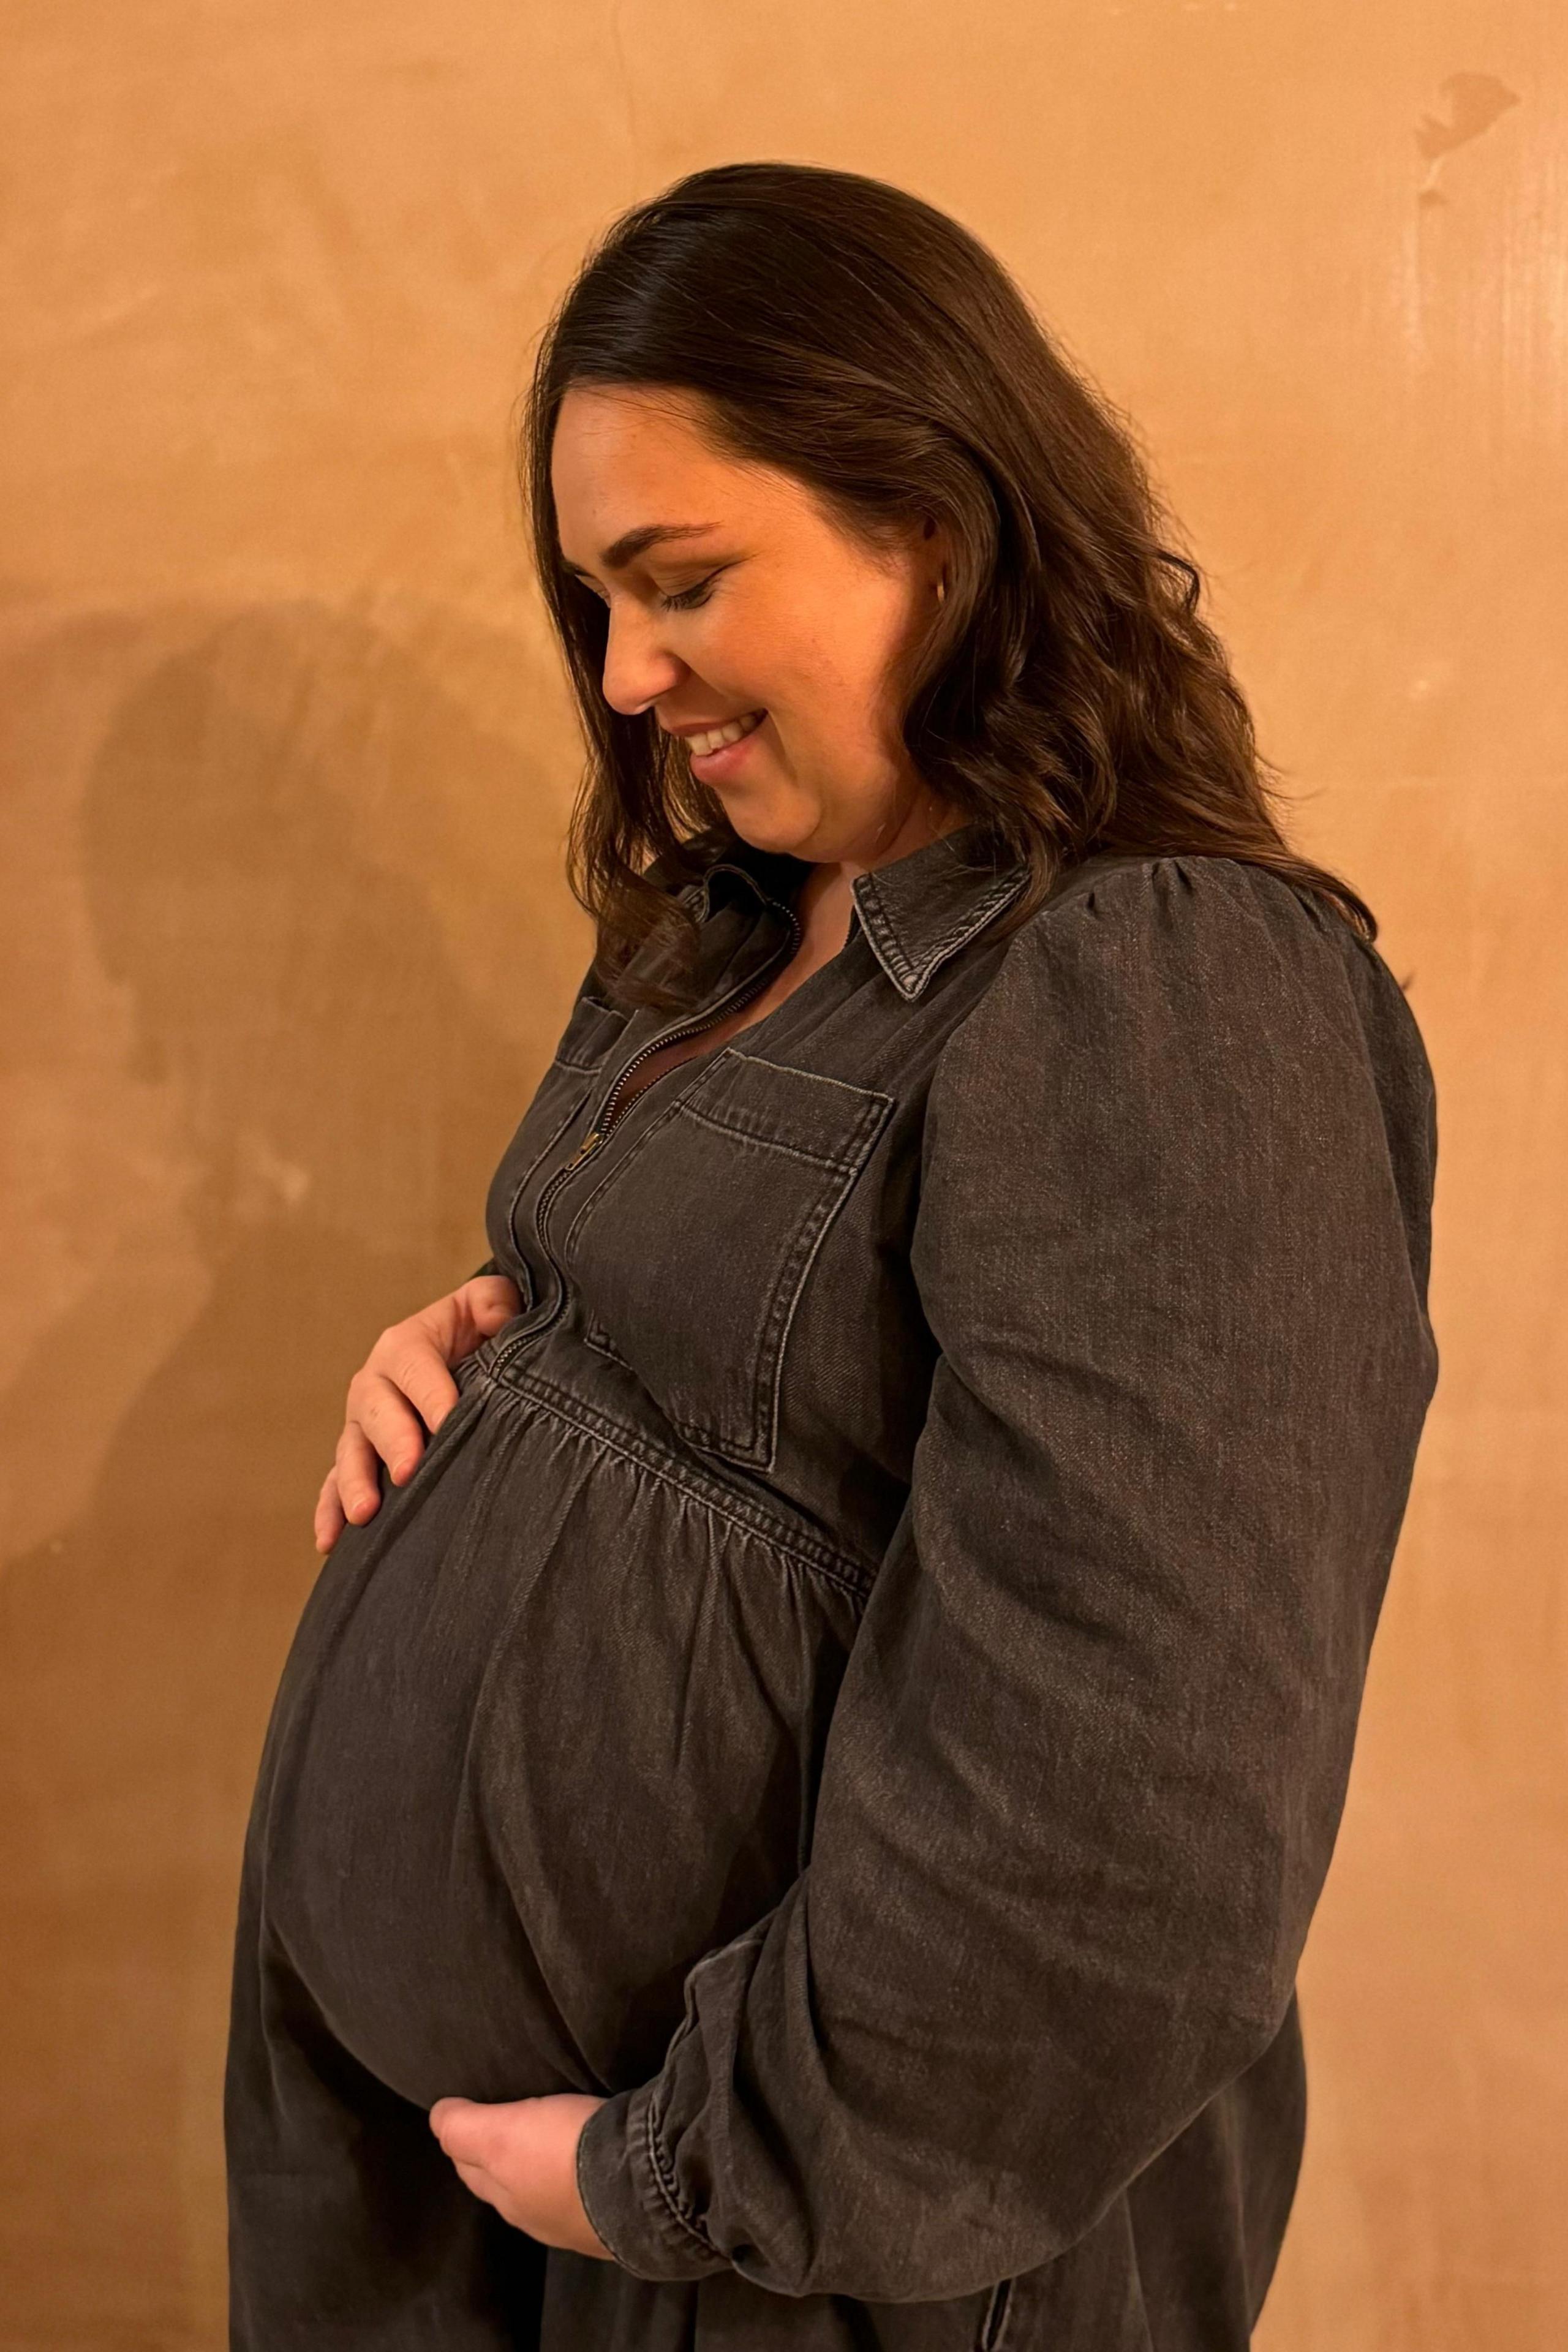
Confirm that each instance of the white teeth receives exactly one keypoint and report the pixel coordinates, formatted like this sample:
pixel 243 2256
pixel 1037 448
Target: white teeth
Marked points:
pixel 732 732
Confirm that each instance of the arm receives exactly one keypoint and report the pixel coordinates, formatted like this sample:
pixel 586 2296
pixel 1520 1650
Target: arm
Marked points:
pixel 1089 1757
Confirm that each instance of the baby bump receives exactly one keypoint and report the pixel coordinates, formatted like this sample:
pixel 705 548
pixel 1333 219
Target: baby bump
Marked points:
pixel 551 1729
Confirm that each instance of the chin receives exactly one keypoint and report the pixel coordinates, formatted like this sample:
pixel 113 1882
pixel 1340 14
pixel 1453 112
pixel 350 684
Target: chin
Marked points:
pixel 773 821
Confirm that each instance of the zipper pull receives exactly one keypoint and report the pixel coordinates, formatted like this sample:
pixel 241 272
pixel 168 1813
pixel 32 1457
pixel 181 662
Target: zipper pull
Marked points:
pixel 584 1149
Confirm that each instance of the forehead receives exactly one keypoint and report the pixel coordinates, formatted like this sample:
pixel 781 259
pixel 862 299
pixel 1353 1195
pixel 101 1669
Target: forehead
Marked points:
pixel 624 457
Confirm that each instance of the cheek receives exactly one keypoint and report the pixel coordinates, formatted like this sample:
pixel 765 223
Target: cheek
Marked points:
pixel 734 650
pixel 836 687
pixel 818 662
pixel 853 648
pixel 821 656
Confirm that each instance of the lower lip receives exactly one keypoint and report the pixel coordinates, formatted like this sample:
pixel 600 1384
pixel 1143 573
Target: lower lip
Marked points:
pixel 718 767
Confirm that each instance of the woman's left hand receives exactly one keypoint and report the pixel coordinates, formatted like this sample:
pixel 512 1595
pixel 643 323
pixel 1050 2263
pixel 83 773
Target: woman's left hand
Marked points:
pixel 520 2156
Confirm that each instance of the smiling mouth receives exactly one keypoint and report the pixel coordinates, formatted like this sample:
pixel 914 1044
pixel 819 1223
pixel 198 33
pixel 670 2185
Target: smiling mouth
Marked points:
pixel 734 731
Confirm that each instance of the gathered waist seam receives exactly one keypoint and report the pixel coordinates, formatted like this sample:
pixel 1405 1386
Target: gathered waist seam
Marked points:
pixel 635 1445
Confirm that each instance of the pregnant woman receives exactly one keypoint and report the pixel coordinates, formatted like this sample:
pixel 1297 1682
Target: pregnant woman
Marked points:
pixel 794 1807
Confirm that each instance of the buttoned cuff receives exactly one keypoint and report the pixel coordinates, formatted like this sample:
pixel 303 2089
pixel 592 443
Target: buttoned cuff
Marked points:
pixel 626 2182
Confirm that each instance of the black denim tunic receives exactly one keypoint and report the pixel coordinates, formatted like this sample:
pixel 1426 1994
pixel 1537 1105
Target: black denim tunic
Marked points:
pixel 864 1676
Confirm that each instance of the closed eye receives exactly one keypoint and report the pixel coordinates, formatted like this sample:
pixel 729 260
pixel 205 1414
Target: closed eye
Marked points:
pixel 681 600
pixel 686 600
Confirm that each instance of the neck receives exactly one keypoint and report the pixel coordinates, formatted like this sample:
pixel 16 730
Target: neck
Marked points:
pixel 826 892
pixel 916 817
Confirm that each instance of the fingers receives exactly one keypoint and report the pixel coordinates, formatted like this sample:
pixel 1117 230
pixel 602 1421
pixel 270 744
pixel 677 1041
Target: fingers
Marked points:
pixel 475 2177
pixel 466 2129
pixel 520 2156
pixel 409 1368
pixel 481 1307
pixel 463 2127
pixel 329 1520
pixel 480 2183
pixel 355 1475
pixel 416 1356
pixel 405 1388
pixel 381 1427
pixel 351 1493
pixel 472 2135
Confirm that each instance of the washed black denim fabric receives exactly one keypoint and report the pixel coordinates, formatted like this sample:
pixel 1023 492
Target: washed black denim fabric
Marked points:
pixel 866 1675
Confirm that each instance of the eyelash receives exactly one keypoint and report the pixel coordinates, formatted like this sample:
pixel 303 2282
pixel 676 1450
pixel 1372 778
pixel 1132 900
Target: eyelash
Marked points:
pixel 684 600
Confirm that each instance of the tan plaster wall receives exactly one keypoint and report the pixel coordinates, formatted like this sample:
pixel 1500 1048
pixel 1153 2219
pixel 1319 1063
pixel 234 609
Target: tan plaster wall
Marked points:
pixel 284 940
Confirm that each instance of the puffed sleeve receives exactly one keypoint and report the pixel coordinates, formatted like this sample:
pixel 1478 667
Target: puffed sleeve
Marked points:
pixel 1089 1757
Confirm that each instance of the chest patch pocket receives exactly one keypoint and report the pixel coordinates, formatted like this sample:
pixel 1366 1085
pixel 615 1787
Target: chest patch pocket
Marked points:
pixel 694 1251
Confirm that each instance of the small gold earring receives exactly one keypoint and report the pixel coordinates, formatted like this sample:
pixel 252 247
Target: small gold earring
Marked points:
pixel 941 588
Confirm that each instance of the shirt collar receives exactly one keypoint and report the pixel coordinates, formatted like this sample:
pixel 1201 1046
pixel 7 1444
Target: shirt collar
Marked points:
pixel 915 912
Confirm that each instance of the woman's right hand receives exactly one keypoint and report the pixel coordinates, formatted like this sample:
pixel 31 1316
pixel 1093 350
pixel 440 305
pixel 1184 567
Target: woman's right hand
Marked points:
pixel 403 1388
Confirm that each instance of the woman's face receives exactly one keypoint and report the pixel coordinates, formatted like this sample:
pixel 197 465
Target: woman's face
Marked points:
pixel 736 602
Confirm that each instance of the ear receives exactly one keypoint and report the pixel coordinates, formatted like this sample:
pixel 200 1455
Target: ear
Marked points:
pixel 933 550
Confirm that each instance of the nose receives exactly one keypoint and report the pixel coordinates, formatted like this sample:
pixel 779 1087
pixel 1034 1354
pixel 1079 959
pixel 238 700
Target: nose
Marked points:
pixel 637 667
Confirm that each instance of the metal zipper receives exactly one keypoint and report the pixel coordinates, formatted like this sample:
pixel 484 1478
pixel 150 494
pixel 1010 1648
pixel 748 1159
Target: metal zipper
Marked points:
pixel 613 1106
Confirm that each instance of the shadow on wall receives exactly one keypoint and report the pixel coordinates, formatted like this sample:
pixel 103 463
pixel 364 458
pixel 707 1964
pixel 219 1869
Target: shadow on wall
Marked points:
pixel 344 1102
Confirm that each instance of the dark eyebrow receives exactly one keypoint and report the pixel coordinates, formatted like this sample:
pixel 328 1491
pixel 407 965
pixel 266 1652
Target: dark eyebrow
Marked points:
pixel 632 543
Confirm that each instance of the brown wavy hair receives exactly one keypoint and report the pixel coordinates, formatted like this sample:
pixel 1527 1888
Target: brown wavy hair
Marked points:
pixel 1071 697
